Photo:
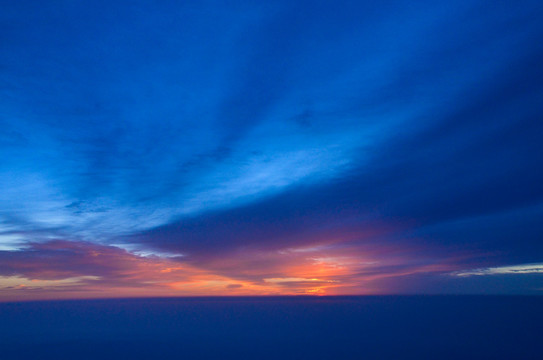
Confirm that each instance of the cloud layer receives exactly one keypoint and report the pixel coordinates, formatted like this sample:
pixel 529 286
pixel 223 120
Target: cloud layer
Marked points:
pixel 315 147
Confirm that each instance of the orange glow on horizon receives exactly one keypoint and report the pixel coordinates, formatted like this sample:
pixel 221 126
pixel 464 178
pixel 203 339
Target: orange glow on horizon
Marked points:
pixel 114 272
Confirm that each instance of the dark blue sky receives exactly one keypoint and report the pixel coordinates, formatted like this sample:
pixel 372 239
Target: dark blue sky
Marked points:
pixel 328 147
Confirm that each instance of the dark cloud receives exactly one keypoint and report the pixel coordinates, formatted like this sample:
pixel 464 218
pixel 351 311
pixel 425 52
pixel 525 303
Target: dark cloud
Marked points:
pixel 234 286
pixel 59 259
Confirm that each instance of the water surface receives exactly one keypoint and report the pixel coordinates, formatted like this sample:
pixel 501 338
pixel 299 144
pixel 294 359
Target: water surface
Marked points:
pixel 387 327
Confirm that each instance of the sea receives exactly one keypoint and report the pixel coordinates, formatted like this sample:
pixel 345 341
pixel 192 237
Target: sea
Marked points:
pixel 298 327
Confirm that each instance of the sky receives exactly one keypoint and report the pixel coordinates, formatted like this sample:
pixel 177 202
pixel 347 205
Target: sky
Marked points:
pixel 270 148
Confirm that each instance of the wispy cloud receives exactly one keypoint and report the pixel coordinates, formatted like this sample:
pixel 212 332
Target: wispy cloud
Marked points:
pixel 256 141
pixel 503 270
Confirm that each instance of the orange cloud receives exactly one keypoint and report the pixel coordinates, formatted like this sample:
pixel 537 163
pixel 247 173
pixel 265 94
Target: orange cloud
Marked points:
pixel 64 269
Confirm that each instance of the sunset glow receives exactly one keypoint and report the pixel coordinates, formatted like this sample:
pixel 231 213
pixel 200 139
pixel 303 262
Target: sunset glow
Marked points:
pixel 270 148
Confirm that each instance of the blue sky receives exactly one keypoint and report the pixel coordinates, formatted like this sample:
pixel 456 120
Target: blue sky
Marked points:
pixel 407 136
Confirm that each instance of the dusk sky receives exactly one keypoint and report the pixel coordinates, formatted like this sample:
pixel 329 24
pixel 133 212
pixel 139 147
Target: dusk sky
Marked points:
pixel 270 148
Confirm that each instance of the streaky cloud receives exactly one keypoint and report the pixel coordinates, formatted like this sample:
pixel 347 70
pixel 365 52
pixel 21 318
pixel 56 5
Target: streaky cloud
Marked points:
pixel 503 270
pixel 242 148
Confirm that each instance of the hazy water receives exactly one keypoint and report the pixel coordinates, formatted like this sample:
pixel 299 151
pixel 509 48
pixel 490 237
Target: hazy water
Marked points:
pixel 441 327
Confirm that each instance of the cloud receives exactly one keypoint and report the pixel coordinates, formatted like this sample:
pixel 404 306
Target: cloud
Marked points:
pixel 83 269
pixel 503 270
pixel 307 140
pixel 234 286
pixel 59 260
